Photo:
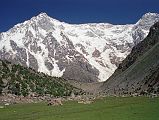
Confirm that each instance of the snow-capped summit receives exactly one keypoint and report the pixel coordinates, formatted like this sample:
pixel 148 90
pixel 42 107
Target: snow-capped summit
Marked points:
pixel 45 17
pixel 84 52
pixel 43 14
pixel 141 28
pixel 147 20
pixel 149 14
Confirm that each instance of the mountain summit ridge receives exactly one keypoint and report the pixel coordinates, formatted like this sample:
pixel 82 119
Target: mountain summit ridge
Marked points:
pixel 85 52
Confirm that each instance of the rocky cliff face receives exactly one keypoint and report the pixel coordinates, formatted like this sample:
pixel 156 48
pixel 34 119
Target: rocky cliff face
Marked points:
pixel 139 72
pixel 84 52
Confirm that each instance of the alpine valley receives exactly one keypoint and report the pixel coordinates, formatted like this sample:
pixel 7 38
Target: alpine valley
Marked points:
pixel 84 52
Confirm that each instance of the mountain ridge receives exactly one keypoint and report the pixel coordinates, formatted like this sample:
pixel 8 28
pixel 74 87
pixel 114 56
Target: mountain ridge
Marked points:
pixel 21 81
pixel 85 52
pixel 138 73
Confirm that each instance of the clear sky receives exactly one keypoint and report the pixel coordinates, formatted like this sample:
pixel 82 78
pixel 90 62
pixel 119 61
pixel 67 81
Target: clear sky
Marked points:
pixel 76 11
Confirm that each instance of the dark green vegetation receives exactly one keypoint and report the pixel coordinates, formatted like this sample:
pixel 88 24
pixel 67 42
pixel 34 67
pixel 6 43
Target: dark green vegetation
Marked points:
pixel 19 80
pixel 139 72
pixel 133 108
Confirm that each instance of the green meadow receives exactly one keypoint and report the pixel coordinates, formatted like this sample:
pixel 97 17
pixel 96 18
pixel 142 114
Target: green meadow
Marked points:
pixel 109 108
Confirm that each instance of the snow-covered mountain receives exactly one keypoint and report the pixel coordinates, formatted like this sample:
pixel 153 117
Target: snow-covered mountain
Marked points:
pixel 85 52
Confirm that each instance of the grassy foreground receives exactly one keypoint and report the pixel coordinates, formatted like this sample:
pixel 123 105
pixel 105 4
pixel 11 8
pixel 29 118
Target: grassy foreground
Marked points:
pixel 137 108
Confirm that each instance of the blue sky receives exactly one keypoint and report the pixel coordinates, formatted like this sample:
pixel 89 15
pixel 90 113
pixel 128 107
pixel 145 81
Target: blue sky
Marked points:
pixel 76 11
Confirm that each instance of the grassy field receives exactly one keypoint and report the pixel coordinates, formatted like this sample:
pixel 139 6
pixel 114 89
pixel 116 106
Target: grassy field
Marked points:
pixel 137 108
